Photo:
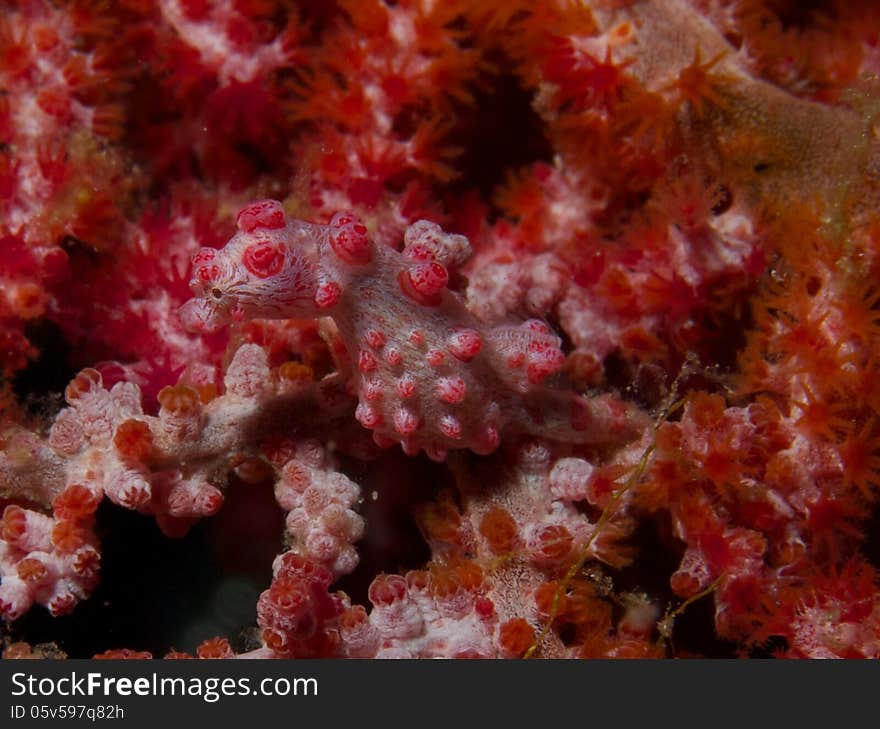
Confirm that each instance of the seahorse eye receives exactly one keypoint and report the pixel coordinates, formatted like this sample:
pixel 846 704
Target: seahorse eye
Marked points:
pixel 216 293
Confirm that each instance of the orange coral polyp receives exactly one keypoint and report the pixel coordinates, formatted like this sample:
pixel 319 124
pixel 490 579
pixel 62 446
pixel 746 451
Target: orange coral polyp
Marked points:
pixel 515 636
pixel 500 529
pixel 695 413
pixel 85 381
pixel 133 439
pixel 180 399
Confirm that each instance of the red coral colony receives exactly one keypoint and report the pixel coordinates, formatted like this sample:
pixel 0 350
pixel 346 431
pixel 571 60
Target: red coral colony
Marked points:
pixel 491 329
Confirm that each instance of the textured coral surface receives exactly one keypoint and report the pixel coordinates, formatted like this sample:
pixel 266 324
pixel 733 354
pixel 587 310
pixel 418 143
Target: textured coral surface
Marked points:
pixel 475 329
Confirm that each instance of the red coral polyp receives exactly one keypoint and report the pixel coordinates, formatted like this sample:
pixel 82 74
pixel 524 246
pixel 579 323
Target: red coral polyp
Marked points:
pixel 76 502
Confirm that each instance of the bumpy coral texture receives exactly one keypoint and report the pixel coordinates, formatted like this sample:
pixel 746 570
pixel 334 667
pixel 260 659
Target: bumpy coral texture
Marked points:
pixel 519 329
pixel 428 375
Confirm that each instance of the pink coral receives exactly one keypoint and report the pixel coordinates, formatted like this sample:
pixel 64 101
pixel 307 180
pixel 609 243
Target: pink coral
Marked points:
pixel 104 445
pixel 52 561
pixel 597 260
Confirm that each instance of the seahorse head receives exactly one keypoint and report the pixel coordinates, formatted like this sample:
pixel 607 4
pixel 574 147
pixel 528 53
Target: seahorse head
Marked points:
pixel 265 271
